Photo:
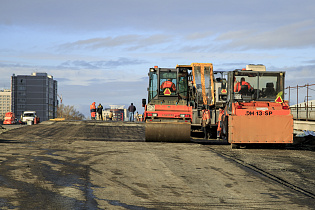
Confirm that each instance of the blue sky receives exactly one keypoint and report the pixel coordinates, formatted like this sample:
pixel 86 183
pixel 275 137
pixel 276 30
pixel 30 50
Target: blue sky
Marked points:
pixel 101 50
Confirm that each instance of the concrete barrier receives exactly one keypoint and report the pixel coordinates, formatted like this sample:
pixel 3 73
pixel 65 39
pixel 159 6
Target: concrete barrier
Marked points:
pixel 304 125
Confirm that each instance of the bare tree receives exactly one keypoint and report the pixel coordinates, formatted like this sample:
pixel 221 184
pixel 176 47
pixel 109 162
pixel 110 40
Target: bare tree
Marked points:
pixel 69 113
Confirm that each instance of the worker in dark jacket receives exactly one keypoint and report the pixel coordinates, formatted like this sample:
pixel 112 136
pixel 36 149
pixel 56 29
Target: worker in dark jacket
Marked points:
pixel 100 112
pixel 93 111
pixel 131 110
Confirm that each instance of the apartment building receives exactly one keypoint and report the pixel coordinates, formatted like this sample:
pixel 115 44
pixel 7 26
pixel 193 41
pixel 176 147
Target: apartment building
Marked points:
pixel 35 92
pixel 5 102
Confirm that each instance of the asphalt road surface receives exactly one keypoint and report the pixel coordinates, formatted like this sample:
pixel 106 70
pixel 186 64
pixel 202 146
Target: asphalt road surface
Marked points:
pixel 102 165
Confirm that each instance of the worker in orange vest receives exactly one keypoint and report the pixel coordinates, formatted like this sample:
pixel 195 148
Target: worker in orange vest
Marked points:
pixel 238 85
pixel 168 84
pixel 205 121
pixel 220 123
pixel 93 111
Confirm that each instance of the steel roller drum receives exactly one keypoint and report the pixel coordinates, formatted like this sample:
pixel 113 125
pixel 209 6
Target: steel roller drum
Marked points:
pixel 167 132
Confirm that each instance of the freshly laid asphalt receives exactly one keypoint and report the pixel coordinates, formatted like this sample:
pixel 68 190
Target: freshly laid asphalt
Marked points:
pixel 108 165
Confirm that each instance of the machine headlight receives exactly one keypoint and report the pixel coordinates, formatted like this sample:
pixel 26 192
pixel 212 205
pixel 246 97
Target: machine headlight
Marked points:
pixel 184 115
pixel 151 108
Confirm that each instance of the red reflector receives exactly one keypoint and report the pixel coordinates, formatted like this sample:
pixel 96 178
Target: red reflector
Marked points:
pixel 285 107
pixel 239 107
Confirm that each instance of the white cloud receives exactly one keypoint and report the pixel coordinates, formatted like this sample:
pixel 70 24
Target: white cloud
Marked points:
pixel 90 44
pixel 295 35
pixel 124 42
pixel 95 43
pixel 163 15
pixel 99 64
pixel 79 72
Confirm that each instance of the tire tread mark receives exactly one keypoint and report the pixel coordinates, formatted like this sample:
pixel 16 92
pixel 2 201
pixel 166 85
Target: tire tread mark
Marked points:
pixel 266 174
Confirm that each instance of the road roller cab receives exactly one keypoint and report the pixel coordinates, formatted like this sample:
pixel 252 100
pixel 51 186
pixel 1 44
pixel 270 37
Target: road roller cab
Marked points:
pixel 167 114
pixel 255 111
pixel 176 97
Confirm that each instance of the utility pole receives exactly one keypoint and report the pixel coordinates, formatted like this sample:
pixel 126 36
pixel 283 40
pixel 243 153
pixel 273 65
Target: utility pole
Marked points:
pixel 289 95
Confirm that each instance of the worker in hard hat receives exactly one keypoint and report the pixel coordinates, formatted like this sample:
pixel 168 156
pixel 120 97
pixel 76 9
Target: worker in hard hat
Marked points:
pixel 110 115
pixel 168 84
pixel 93 111
pixel 238 85
pixel 205 122
pixel 220 123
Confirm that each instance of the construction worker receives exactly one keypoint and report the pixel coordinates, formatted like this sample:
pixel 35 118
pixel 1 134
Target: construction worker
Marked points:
pixel 110 115
pixel 168 84
pixel 205 121
pixel 137 116
pixel 220 123
pixel 100 112
pixel 131 110
pixel 93 111
pixel 238 85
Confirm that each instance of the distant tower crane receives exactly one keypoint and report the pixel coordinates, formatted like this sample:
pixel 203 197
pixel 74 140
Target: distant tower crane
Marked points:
pixel 60 97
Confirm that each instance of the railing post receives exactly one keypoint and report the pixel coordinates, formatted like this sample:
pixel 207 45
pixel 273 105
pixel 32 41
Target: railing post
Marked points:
pixel 297 102
pixel 289 95
pixel 307 102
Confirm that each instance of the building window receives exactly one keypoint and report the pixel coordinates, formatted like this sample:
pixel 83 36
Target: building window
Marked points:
pixel 21 88
pixel 21 106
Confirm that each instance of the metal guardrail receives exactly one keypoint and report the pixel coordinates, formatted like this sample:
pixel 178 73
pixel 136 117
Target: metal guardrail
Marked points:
pixel 304 125
pixel 300 112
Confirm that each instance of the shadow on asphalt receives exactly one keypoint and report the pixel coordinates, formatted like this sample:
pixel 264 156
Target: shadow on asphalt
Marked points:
pixel 209 142
pixel 10 141
pixel 304 146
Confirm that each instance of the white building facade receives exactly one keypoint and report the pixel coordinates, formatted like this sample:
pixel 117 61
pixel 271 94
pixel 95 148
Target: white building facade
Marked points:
pixel 5 102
